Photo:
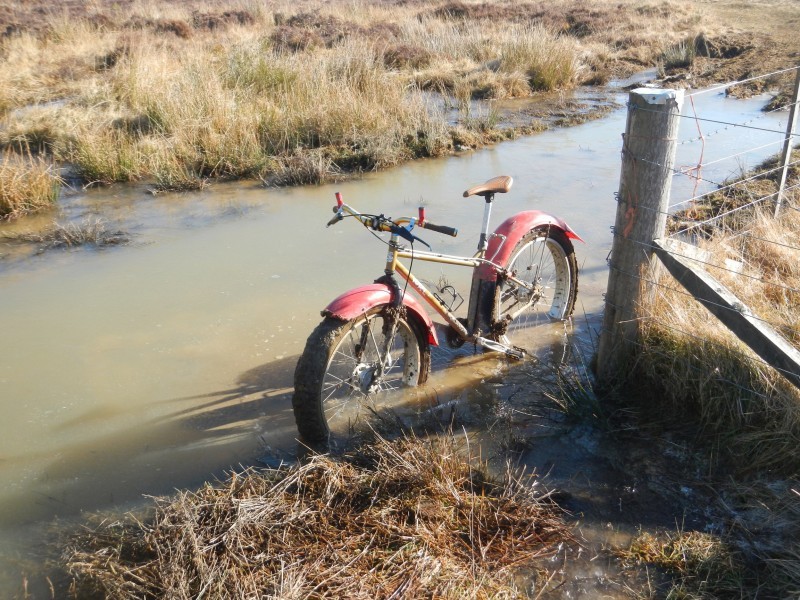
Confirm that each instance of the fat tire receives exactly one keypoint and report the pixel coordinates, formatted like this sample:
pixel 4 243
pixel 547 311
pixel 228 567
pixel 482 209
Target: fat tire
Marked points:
pixel 309 375
pixel 557 236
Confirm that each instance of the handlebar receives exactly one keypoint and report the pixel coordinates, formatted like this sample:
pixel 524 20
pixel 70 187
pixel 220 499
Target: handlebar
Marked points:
pixel 381 223
pixel 451 231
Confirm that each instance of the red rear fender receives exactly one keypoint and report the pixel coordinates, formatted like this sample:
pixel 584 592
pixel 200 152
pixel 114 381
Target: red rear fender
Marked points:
pixel 359 300
pixel 512 230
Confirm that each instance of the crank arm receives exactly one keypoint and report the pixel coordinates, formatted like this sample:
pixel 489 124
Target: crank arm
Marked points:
pixel 511 351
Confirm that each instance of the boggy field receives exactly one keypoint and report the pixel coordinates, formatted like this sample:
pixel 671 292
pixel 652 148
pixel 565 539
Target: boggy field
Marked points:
pixel 180 93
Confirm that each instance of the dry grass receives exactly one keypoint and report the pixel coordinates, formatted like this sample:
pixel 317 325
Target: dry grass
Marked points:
pixel 548 61
pixel 181 92
pixel 747 414
pixel 698 565
pixel 27 184
pixel 401 519
pixel 716 381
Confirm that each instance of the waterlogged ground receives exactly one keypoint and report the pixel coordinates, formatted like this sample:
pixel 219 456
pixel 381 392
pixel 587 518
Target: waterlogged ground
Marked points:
pixel 139 369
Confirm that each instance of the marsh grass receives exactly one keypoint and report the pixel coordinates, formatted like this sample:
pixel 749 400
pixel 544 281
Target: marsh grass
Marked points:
pixel 88 232
pixel 406 518
pixel 27 184
pixel 549 61
pixel 229 91
pixel 679 56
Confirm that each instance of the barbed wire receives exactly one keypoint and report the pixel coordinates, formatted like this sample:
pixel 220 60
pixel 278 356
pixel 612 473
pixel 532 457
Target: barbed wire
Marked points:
pixel 638 277
pixel 708 222
pixel 743 125
pixel 760 239
pixel 737 209
pixel 725 86
pixel 737 234
pixel 748 151
pixel 723 187
pixel 673 169
pixel 763 115
pixel 650 246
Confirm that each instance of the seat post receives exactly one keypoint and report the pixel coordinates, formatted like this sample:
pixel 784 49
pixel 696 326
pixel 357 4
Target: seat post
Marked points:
pixel 483 242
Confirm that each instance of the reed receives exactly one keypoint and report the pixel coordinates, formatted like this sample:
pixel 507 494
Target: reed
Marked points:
pixel 548 61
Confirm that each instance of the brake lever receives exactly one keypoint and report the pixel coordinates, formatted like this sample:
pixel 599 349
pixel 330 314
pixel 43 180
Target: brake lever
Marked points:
pixel 407 235
pixel 336 218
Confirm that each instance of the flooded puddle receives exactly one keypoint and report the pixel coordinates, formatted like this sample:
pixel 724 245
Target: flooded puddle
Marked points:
pixel 158 365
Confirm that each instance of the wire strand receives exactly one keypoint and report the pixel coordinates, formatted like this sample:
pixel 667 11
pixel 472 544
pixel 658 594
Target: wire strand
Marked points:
pixel 734 272
pixel 725 86
pixel 720 216
pixel 723 187
pixel 713 265
pixel 741 125
pixel 689 295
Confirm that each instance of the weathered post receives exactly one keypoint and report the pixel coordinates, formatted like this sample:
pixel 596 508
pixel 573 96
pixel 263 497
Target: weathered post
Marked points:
pixel 648 157
pixel 787 143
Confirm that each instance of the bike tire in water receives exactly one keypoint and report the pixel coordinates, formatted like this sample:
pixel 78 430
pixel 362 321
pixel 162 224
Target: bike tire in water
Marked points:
pixel 545 258
pixel 332 377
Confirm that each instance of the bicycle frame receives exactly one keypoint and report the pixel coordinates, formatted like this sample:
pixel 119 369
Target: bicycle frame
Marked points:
pixel 498 246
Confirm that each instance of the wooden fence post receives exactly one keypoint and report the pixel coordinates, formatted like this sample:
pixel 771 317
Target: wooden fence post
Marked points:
pixel 787 143
pixel 648 157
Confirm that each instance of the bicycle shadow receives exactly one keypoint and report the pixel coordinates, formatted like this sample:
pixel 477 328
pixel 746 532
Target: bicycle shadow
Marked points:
pixel 200 439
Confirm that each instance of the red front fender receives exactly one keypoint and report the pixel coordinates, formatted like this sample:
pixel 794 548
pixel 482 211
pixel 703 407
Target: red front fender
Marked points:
pixel 359 300
pixel 512 230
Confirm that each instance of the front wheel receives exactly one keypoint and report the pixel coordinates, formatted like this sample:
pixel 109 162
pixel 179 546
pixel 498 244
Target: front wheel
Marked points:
pixel 346 365
pixel 544 266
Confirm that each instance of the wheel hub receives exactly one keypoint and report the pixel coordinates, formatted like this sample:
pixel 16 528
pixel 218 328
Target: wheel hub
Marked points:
pixel 364 377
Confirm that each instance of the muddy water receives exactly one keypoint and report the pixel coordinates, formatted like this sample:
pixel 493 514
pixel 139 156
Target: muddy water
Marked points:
pixel 140 369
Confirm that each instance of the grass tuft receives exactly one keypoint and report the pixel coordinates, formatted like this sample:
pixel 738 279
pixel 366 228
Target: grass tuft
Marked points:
pixel 88 232
pixel 698 565
pixel 679 56
pixel 28 184
pixel 548 61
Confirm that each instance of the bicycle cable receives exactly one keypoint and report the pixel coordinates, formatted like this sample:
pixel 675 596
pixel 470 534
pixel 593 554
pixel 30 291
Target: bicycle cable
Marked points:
pixel 383 241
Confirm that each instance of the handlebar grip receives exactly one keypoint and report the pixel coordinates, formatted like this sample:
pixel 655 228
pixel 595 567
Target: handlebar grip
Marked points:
pixel 451 231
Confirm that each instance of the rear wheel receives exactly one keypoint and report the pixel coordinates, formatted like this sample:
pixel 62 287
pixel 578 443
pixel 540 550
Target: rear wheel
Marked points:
pixel 347 365
pixel 544 263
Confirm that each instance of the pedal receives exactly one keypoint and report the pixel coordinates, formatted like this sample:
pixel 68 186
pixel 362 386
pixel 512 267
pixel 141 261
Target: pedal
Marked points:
pixel 511 351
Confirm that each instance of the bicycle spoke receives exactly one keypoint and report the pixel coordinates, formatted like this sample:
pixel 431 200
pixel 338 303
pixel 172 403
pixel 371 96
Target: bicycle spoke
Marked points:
pixel 337 386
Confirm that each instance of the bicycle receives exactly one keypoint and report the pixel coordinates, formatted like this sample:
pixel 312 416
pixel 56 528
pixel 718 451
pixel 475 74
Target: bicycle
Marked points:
pixel 376 338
